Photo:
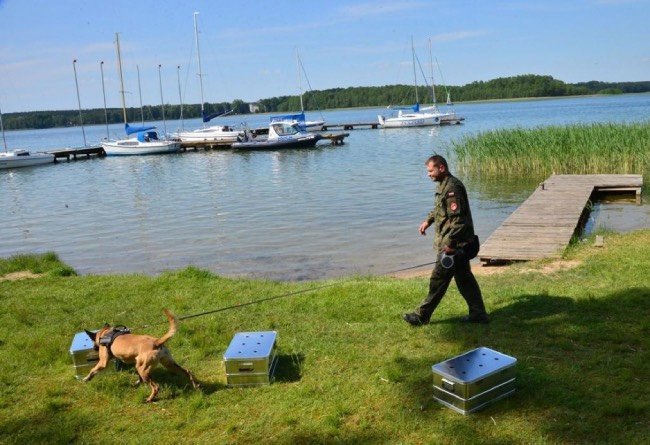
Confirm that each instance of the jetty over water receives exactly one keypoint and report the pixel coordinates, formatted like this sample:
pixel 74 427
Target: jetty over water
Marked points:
pixel 68 153
pixel 544 224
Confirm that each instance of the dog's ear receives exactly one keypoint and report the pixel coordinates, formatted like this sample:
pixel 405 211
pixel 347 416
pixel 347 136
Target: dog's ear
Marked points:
pixel 92 335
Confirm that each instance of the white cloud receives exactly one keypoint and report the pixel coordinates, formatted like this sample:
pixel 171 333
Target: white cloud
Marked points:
pixel 458 35
pixel 378 8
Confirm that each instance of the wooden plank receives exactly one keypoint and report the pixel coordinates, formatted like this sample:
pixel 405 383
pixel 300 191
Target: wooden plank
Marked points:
pixel 543 225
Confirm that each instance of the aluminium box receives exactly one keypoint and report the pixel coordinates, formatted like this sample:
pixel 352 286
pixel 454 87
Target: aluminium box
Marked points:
pixel 472 380
pixel 251 358
pixel 84 356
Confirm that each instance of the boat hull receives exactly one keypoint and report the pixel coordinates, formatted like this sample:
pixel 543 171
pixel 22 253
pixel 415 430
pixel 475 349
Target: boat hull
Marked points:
pixel 11 161
pixel 280 143
pixel 208 135
pixel 409 120
pixel 147 148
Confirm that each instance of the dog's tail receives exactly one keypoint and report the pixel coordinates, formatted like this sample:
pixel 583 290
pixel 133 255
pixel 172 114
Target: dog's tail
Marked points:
pixel 173 321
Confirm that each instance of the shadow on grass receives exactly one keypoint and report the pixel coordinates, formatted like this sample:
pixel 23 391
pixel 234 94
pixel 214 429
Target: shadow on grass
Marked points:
pixel 289 367
pixel 580 365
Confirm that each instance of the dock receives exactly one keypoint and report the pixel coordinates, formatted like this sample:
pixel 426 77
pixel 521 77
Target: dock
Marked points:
pixel 358 125
pixel 68 153
pixel 545 223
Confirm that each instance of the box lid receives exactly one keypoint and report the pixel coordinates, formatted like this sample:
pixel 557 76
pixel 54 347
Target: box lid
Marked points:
pixel 250 345
pixel 474 365
pixel 81 342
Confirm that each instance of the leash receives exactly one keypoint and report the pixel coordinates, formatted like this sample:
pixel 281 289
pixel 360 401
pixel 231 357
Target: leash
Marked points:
pixel 276 297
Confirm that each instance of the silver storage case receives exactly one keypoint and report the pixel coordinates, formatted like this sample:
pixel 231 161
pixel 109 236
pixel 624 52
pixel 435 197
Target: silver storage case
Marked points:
pixel 470 381
pixel 84 356
pixel 251 358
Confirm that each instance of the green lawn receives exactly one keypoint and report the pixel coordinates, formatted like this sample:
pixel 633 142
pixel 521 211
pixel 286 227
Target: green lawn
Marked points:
pixel 350 370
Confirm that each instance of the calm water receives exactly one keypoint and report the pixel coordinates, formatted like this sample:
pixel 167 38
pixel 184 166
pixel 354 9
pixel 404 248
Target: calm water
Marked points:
pixel 294 214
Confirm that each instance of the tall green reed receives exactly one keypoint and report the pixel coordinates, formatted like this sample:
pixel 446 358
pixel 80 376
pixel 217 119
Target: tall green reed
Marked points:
pixel 573 149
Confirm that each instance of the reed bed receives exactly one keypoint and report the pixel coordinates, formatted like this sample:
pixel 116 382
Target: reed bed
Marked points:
pixel 574 149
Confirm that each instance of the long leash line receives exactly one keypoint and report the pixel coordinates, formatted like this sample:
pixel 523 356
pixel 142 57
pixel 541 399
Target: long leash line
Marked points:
pixel 290 294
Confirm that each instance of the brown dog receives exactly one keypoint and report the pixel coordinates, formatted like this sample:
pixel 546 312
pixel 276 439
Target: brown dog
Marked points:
pixel 144 351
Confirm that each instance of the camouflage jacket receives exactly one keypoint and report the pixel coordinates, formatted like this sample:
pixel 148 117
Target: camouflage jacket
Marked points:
pixel 451 216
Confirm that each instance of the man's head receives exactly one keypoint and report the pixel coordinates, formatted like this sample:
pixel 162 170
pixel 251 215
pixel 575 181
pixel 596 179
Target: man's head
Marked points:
pixel 437 168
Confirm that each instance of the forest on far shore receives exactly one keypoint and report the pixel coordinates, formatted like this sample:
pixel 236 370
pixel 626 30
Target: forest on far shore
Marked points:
pixel 523 86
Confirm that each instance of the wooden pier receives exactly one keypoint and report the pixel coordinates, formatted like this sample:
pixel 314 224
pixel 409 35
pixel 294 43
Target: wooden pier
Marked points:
pixel 544 224
pixel 67 153
pixel 359 125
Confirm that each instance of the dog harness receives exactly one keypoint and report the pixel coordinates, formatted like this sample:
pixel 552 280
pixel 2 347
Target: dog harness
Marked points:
pixel 109 337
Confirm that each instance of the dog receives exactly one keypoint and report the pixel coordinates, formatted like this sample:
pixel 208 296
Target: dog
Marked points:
pixel 144 351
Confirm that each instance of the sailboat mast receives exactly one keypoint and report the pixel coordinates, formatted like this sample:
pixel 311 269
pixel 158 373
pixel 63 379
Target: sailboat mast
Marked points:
pixel 162 101
pixel 302 108
pixel 180 96
pixel 81 121
pixel 137 67
pixel 433 87
pixel 101 68
pixel 198 58
pixel 119 64
pixel 2 128
pixel 415 79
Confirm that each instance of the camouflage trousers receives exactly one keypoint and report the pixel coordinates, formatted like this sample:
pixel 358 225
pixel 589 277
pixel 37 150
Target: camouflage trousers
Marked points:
pixel 439 282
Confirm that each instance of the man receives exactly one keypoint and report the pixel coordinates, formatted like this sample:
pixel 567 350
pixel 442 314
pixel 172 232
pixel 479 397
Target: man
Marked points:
pixel 454 236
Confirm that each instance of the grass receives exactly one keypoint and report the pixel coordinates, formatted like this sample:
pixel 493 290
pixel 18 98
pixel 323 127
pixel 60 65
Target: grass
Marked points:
pixel 574 149
pixel 350 370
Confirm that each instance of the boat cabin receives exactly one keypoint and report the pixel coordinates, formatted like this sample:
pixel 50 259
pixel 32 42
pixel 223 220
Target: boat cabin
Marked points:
pixel 279 129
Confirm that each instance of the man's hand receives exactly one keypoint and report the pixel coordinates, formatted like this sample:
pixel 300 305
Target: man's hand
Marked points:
pixel 423 227
pixel 448 250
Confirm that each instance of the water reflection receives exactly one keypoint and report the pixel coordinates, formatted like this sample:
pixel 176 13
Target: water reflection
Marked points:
pixel 294 214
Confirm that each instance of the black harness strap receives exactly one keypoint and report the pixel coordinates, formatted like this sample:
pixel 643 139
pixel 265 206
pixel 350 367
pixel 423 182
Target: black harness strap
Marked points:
pixel 109 337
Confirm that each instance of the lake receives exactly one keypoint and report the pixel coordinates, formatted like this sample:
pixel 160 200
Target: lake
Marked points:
pixel 289 215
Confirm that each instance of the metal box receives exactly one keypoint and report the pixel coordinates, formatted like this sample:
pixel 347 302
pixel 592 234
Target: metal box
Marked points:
pixel 84 356
pixel 470 381
pixel 251 358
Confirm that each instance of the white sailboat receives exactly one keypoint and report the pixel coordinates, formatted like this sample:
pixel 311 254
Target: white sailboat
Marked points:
pixel 412 116
pixel 215 133
pixel 299 118
pixel 21 157
pixel 446 117
pixel 145 141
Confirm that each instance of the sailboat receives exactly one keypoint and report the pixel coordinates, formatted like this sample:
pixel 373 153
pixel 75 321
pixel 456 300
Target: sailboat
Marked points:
pixel 300 117
pixel 145 141
pixel 411 116
pixel 215 133
pixel 21 157
pixel 446 117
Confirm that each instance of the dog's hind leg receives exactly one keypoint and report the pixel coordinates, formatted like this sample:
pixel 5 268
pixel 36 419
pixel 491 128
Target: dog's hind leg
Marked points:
pixel 168 362
pixel 143 372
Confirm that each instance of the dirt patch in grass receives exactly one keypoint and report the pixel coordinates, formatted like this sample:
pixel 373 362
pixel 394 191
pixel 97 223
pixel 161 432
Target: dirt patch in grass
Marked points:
pixel 22 275
pixel 481 270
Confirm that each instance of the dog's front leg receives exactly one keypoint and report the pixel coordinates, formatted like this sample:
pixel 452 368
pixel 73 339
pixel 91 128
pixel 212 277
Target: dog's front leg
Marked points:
pixel 101 364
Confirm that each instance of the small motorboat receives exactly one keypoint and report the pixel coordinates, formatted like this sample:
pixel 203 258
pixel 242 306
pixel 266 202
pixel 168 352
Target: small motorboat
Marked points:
pixel 281 135
pixel 24 158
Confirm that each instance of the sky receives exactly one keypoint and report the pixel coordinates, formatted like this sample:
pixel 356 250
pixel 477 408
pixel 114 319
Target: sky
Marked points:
pixel 248 48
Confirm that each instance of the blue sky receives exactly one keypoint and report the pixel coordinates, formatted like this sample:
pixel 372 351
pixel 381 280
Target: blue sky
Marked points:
pixel 248 47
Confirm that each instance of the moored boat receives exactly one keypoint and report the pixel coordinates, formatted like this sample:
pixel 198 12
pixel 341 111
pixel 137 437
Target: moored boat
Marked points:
pixel 411 116
pixel 24 158
pixel 21 157
pixel 281 135
pixel 146 142
pixel 215 133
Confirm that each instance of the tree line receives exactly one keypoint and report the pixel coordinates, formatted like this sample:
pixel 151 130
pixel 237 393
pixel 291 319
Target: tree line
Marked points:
pixel 523 86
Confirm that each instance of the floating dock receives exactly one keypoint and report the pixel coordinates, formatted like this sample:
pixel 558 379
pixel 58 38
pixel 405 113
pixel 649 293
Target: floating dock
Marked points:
pixel 68 153
pixel 544 224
